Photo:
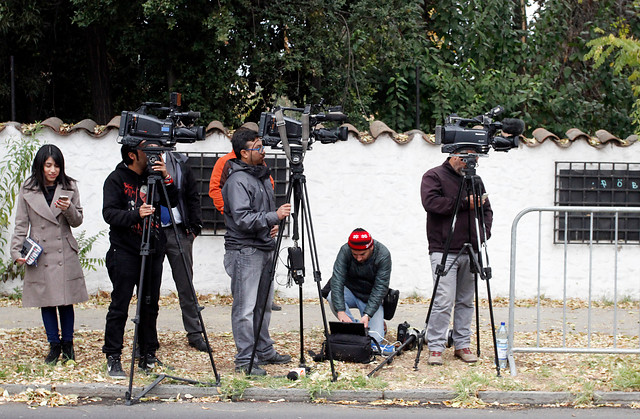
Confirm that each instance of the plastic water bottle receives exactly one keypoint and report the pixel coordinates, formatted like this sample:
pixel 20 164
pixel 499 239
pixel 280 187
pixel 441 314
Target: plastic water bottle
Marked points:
pixel 502 343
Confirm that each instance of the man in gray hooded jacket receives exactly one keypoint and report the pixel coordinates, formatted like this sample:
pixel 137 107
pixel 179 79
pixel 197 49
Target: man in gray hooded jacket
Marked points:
pixel 252 221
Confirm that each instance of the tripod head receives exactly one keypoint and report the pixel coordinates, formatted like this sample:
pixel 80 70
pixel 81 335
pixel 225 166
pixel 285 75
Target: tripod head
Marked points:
pixel 470 160
pixel 153 150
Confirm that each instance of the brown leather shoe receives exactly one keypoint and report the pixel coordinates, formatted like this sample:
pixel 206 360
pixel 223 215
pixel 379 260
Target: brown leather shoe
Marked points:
pixel 466 355
pixel 435 358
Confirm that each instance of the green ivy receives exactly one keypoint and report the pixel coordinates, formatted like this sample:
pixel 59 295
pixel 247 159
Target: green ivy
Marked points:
pixel 15 167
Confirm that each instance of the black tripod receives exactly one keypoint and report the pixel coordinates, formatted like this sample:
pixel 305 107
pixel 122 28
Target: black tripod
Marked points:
pixel 479 266
pixel 297 187
pixel 148 230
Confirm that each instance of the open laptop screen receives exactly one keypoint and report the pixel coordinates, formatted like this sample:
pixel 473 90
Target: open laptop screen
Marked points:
pixel 347 328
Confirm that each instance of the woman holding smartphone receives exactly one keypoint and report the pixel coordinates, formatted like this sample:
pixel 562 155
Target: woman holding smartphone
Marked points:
pixel 48 206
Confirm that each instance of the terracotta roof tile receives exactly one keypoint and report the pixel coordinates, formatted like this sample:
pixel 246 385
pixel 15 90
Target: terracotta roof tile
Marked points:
pixel 54 123
pixel 376 129
pixel 217 126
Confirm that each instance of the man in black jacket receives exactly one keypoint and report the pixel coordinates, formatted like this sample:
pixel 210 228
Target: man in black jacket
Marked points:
pixel 124 208
pixel 439 190
pixel 188 218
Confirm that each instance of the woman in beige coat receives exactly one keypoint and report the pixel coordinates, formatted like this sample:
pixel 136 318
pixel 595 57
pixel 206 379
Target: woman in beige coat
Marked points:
pixel 48 206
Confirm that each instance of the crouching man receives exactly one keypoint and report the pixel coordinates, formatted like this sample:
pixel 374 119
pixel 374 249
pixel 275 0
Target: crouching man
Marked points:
pixel 360 279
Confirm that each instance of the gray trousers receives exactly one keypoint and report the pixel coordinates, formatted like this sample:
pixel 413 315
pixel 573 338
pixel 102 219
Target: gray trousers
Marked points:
pixel 181 277
pixel 455 290
pixel 247 267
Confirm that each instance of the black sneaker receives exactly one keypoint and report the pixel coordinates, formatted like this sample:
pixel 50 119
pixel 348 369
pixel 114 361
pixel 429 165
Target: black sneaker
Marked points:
pixel 276 359
pixel 255 370
pixel 114 367
pixel 199 344
pixel 149 362
pixel 275 307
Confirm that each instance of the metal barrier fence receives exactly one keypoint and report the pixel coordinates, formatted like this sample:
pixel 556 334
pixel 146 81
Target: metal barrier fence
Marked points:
pixel 537 347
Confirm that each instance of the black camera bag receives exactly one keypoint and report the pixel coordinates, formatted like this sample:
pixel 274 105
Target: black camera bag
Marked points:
pixel 348 348
pixel 390 303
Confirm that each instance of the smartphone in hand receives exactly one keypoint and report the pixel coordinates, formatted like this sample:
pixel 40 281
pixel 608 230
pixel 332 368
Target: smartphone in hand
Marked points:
pixel 61 199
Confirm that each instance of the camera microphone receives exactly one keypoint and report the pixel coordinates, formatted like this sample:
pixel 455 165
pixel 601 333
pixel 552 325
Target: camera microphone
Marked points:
pixel 189 114
pixel 332 116
pixel 513 126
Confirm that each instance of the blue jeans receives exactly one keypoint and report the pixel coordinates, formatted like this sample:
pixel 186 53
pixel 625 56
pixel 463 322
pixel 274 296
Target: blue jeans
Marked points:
pixel 250 285
pixel 376 323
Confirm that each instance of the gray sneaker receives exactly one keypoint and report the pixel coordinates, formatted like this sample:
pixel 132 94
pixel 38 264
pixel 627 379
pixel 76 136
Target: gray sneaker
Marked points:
pixel 277 359
pixel 255 370
pixel 114 367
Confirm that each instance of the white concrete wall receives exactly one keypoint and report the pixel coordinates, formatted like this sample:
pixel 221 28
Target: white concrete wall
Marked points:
pixel 377 187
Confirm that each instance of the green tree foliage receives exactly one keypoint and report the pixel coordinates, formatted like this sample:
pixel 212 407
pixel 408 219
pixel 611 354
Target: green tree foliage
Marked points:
pixel 233 59
pixel 574 92
pixel 624 50
pixel 49 69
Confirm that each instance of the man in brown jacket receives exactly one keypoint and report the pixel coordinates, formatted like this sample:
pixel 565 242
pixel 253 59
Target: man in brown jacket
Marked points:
pixel 439 191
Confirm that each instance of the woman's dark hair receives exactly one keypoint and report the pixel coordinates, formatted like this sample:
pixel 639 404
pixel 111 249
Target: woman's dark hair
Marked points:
pixel 36 180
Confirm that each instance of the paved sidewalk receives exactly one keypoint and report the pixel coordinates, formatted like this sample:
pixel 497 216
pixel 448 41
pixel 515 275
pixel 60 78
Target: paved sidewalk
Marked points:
pixel 217 319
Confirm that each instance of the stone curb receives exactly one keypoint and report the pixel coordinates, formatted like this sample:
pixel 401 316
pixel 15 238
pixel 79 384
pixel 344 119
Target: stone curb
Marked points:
pixel 539 398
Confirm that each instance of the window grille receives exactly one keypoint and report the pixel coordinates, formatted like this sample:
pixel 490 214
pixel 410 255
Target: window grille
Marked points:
pixel 202 165
pixel 602 185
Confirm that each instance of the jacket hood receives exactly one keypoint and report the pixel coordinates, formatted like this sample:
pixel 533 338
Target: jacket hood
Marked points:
pixel 237 165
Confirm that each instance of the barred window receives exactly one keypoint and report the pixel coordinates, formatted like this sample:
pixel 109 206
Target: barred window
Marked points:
pixel 598 185
pixel 202 165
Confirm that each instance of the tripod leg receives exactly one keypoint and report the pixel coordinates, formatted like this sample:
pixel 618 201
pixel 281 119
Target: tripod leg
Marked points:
pixel 317 277
pixel 145 250
pixel 189 273
pixel 303 362
pixel 421 340
pixel 475 279
pixel 493 329
pixel 395 353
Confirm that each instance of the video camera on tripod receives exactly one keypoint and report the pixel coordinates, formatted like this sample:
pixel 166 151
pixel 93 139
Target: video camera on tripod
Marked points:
pixel 464 134
pixel 176 127
pixel 298 135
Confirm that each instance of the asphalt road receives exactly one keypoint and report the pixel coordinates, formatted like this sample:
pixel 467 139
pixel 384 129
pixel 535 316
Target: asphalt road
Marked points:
pixel 294 410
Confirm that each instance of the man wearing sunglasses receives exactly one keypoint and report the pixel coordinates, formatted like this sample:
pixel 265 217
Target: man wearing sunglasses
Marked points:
pixel 252 222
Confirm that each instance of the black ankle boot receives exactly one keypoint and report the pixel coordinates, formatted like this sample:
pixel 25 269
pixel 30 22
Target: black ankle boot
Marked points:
pixel 67 352
pixel 54 353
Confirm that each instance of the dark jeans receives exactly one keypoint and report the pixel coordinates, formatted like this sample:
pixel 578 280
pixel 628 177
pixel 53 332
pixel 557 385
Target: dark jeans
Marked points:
pixel 124 273
pixel 50 320
pixel 188 303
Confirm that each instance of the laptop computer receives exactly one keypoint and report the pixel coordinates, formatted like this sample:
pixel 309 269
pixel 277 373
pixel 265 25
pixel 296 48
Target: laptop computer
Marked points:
pixel 348 328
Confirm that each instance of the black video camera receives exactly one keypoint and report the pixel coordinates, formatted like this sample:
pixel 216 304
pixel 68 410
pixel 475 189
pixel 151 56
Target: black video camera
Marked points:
pixel 177 127
pixel 406 332
pixel 479 134
pixel 268 128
